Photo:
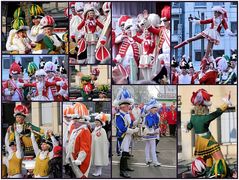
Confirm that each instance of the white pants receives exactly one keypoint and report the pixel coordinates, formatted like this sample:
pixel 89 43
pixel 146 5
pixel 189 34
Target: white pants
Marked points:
pixel 16 176
pixel 126 143
pixel 150 147
pixel 91 54
pixel 146 73
pixel 98 170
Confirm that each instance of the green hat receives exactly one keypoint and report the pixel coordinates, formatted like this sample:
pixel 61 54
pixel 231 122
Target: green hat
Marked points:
pixel 19 24
pixel 86 78
pixel 19 13
pixel 31 68
pixel 36 11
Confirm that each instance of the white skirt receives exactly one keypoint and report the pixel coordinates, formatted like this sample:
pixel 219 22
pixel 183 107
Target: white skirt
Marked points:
pixel 211 35
pixel 145 61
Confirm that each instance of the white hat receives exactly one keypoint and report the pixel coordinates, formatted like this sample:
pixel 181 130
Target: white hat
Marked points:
pixel 50 66
pixel 128 24
pixel 218 8
pixel 40 72
pixel 90 7
pixel 153 103
pixel 106 6
pixel 79 6
pixel 101 117
pixel 123 97
pixel 80 112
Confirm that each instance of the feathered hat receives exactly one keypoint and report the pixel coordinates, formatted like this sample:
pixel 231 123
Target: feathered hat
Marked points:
pixel 201 97
pixel 153 103
pixel 124 97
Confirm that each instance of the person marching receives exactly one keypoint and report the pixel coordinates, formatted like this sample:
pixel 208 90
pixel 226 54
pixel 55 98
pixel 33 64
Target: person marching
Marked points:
pixel 151 131
pixel 100 145
pixel 43 155
pixel 206 146
pixel 78 150
pixel 15 154
pixel 124 131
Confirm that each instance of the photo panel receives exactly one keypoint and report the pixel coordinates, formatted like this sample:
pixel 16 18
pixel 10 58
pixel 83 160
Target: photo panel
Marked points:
pixel 87 140
pixel 34 78
pixel 31 140
pixel 90 83
pixel 141 42
pixel 34 27
pixel 144 131
pixel 207 131
pixel 204 43
pixel 90 32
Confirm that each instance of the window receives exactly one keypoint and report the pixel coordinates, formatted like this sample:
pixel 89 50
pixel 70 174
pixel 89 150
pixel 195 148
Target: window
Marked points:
pixel 200 4
pixel 218 3
pixel 234 3
pixel 175 4
pixel 218 53
pixel 7 61
pixel 26 61
pixel 176 26
pixel 46 114
pixel 198 55
pixel 228 127
pixel 234 27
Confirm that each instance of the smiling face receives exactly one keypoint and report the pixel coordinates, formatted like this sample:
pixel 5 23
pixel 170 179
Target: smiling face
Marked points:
pixel 97 123
pixel 48 31
pixel 91 14
pixel 217 14
pixel 154 110
pixel 125 107
pixel 19 119
pixel 36 21
pixel 13 148
pixel 50 74
pixel 40 78
pixel 22 34
pixel 44 147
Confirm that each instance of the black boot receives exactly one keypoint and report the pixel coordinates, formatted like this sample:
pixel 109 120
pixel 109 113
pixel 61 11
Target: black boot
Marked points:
pixel 123 165
pixel 127 167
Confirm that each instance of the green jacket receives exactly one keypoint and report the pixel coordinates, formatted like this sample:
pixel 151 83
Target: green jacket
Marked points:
pixel 201 123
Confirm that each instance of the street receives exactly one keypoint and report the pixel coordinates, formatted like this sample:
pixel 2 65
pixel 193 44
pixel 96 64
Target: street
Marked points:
pixel 167 156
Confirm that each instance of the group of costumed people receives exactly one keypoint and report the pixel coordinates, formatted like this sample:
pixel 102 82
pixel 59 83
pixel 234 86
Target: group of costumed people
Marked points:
pixel 219 70
pixel 127 122
pixel 85 146
pixel 90 90
pixel 25 142
pixel 209 161
pixel 141 51
pixel 90 32
pixel 39 39
pixel 49 82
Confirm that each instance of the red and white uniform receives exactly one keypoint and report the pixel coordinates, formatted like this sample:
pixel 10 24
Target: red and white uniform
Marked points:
pixel 174 78
pixel 13 85
pixel 209 77
pixel 148 46
pixel 52 90
pixel 213 32
pixel 129 49
pixel 74 22
pixel 90 27
pixel 184 79
pixel 41 89
pixel 79 148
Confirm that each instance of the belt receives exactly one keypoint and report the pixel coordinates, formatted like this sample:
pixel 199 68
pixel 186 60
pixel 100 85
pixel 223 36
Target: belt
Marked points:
pixel 204 134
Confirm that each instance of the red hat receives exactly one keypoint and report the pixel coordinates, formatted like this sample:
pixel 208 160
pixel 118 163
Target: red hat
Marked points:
pixel 123 19
pixel 166 13
pixel 15 68
pixel 95 72
pixel 201 97
pixel 72 4
pixel 57 150
pixel 20 110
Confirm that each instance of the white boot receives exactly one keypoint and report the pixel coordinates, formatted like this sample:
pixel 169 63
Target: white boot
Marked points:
pixel 157 164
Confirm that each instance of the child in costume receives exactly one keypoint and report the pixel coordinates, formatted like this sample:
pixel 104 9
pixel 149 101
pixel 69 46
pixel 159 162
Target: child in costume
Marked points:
pixel 90 24
pixel 100 145
pixel 15 154
pixel 151 131
pixel 31 70
pixel 163 118
pixel 206 146
pixel 52 41
pixel 124 130
pixel 43 155
pixel 12 89
pixel 36 33
pixel 54 92
pixel 78 150
pixel 212 34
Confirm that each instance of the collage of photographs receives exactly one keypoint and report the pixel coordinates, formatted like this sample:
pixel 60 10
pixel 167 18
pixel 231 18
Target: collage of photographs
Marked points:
pixel 119 89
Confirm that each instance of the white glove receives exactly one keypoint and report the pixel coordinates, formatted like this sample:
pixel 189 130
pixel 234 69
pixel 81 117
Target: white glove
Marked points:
pixel 129 131
pixel 194 21
pixel 229 32
pixel 133 31
pixel 77 162
pixel 135 130
pixel 118 58
pixel 156 131
pixel 59 83
pixel 146 24
pixel 20 85
pixel 227 101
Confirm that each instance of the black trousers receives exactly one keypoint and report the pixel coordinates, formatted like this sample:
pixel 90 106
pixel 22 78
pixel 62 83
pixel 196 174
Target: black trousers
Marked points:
pixel 172 129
